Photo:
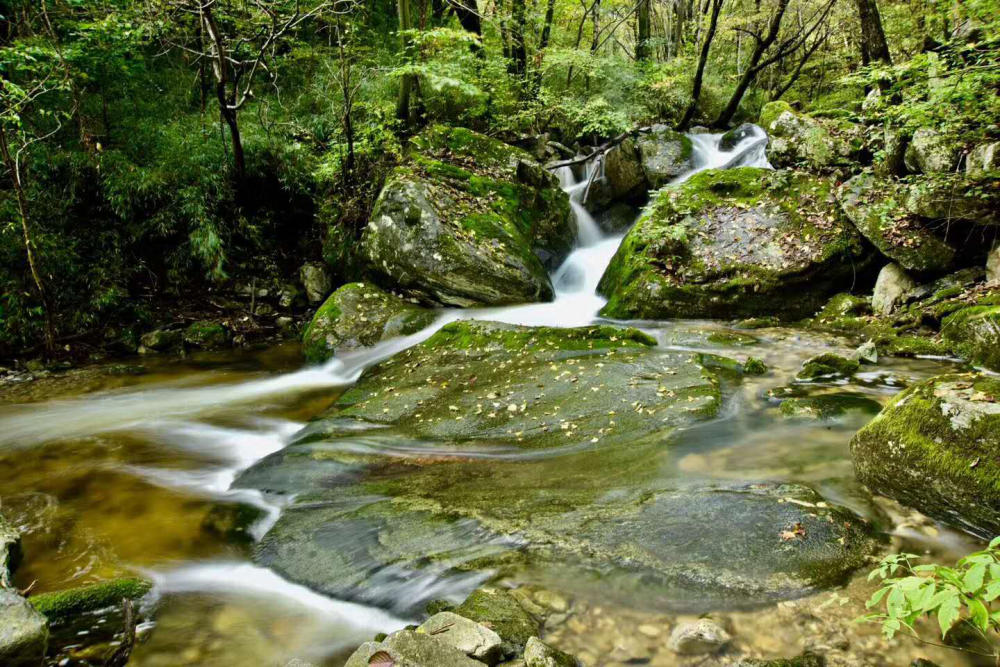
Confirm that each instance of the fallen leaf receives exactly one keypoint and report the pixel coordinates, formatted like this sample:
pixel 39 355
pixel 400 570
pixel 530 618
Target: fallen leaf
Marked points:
pixel 381 659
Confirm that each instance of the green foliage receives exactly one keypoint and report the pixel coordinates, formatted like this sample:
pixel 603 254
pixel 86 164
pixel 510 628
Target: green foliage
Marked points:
pixel 963 595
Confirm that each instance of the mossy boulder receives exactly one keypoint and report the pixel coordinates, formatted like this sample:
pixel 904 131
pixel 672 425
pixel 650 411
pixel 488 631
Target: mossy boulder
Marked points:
pixel 828 365
pixel 665 155
pixel 207 335
pixel 876 209
pixel 954 198
pixel 828 406
pixel 931 151
pixel 467 221
pixel 754 366
pixel 974 333
pixel 539 654
pixel 64 605
pixel 498 450
pixel 796 140
pixel 500 611
pixel 359 315
pixel 743 242
pixel 24 633
pixel 732 339
pixel 845 305
pixel 160 340
pixel 936 447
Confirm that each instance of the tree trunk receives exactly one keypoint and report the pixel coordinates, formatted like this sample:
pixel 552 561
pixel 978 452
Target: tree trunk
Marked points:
pixel 874 48
pixel 700 73
pixel 544 43
pixel 406 83
pixel 518 50
pixel 642 42
pixel 22 206
pixel 220 67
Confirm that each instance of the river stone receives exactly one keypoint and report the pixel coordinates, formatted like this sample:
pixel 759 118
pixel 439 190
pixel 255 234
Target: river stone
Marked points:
pixel 665 155
pixel 617 219
pixel 539 654
pixel 936 447
pixel 983 159
pixel 499 610
pixel 412 649
pixel 67 604
pixel 891 289
pixel 623 177
pixel 24 633
pixel 931 151
pixel 974 333
pixel 828 365
pixel 732 138
pixel 317 281
pixel 467 221
pixel 698 638
pixel 160 340
pixel 796 140
pixel 828 406
pixel 207 335
pixel 359 315
pixel 803 660
pixel 469 637
pixel 735 243
pixel 10 552
pixel 876 209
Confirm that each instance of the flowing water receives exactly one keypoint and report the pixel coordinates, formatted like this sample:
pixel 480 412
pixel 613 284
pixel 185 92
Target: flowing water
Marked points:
pixel 109 472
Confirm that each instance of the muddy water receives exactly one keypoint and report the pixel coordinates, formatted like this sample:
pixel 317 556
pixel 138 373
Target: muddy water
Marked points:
pixel 133 489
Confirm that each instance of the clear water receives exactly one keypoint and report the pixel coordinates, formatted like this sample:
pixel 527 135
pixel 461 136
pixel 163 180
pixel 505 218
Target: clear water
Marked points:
pixel 111 474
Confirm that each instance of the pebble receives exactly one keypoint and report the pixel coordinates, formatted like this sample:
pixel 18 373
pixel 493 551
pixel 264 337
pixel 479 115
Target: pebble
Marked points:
pixel 697 638
pixel 650 630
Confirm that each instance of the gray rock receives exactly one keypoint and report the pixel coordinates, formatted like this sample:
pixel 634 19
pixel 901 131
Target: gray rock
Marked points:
pixel 539 654
pixel 298 663
pixel 931 151
pixel 867 353
pixel 24 633
pixel 412 649
pixel 698 638
pixel 316 280
pixel 264 310
pixel 665 155
pixel 797 140
pixel 10 552
pixel 469 637
pixel 623 177
pixel 285 323
pixel 733 137
pixel 953 199
pixel 160 340
pixel 982 159
pixel 993 265
pixel 290 297
pixel 891 289
pixel 617 219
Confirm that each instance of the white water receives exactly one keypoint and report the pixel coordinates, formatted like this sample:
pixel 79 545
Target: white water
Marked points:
pixel 174 415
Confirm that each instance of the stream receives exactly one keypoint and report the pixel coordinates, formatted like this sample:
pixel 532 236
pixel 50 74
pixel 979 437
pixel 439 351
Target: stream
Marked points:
pixel 117 471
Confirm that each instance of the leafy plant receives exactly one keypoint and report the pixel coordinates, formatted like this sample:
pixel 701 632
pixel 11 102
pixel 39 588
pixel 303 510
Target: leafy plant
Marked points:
pixel 959 596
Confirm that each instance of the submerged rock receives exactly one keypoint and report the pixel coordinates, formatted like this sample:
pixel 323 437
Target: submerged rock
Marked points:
pixel 64 605
pixel 743 242
pixel 467 221
pixel 697 638
pixel 828 406
pixel 828 366
pixel 876 209
pixel 24 633
pixel 359 315
pixel 936 447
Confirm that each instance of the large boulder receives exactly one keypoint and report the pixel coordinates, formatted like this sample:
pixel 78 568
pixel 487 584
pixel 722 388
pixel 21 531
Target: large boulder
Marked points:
pixel 735 243
pixel 876 209
pixel 359 315
pixel 24 633
pixel 983 159
pixel 891 289
pixel 936 448
pixel 493 450
pixel 665 155
pixel 931 151
pixel 954 198
pixel 797 140
pixel 467 221
pixel 974 333
pixel 622 178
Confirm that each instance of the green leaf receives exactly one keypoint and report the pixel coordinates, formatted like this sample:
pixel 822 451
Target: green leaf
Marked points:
pixel 940 598
pixel 980 615
pixel 877 597
pixel 995 542
pixel 973 579
pixel 992 592
pixel 948 614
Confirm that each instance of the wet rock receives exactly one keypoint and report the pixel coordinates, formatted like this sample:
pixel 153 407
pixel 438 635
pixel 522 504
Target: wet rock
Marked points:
pixel 437 606
pixel 974 333
pixel 539 654
pixel 828 366
pixel 754 366
pixel 317 281
pixel 798 140
pixel 732 138
pixel 24 633
pixel 469 637
pixel 983 159
pixel 804 660
pixel 732 338
pixel 552 600
pixel 500 611
pixel 698 638
pixel 623 177
pixel 828 406
pixel 891 289
pixel 931 151
pixel 867 353
pixel 64 605
pixel 408 648
pixel 359 315
pixel 876 210
pixel 207 335
pixel 734 243
pixel 467 221
pixel 160 340
pixel 665 155
pixel 936 447
pixel 843 305
pixel 10 552
pixel 617 219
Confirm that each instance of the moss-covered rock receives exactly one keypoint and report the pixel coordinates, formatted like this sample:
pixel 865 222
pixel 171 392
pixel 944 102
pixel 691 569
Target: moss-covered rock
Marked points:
pixel 665 155
pixel 844 305
pixel 409 648
pixel 954 198
pixel 732 339
pixel 828 406
pixel 876 209
pixel 804 660
pixel 468 220
pixel 742 242
pixel 932 151
pixel 828 366
pixel 797 140
pixel 24 633
pixel 500 611
pixel 936 447
pixel 160 340
pixel 539 654
pixel 63 605
pixel 207 335
pixel 359 315
pixel 974 333
pixel 754 366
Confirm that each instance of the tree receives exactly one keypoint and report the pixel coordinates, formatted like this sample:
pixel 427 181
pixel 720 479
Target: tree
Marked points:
pixel 700 73
pixel 406 83
pixel 874 48
pixel 642 46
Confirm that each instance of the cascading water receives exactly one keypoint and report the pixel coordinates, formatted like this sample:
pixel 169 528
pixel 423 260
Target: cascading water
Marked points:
pixel 177 417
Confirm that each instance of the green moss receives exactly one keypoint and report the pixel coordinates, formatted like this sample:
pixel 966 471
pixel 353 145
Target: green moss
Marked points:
pixel 466 335
pixel 732 338
pixel 804 660
pixel 828 365
pixel 974 333
pixel 500 611
pixel 754 366
pixel 771 111
pixel 828 406
pixel 63 605
pixel 206 334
